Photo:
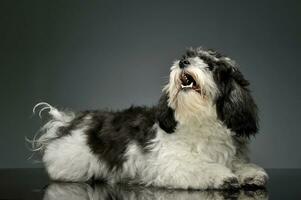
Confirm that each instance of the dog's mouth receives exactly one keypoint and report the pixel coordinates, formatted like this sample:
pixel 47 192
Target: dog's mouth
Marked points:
pixel 188 82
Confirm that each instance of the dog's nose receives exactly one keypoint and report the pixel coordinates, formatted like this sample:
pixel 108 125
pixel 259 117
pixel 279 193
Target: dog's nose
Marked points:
pixel 184 63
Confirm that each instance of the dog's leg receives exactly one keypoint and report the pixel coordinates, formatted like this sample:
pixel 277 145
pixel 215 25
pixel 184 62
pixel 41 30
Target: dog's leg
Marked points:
pixel 203 176
pixel 250 174
pixel 247 173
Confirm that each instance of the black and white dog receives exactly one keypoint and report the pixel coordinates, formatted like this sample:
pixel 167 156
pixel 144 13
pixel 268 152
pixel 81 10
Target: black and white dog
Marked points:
pixel 196 136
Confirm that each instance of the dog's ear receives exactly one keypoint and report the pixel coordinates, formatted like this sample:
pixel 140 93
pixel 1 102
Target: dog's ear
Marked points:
pixel 235 105
pixel 165 115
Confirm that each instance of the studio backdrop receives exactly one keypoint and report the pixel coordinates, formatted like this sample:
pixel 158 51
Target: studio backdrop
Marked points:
pixel 111 54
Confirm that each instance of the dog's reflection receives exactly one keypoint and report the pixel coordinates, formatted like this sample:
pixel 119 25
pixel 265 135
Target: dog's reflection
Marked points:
pixel 83 191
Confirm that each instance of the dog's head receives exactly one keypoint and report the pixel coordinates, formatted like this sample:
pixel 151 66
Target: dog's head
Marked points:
pixel 205 85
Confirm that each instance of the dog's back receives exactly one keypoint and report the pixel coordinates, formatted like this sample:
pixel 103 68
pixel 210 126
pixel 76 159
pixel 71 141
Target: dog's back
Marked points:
pixel 91 144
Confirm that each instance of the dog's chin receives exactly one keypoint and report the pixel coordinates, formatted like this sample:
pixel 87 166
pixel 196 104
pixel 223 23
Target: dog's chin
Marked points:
pixel 189 99
pixel 191 106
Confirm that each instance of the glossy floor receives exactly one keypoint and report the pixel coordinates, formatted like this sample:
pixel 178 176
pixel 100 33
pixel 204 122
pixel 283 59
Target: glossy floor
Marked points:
pixel 33 184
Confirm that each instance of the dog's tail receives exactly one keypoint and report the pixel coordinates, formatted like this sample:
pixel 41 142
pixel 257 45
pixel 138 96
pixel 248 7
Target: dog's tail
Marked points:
pixel 50 130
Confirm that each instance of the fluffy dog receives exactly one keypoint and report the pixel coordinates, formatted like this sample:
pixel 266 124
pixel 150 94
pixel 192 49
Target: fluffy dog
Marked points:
pixel 195 137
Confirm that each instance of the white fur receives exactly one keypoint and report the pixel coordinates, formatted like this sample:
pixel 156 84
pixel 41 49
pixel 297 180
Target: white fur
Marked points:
pixel 49 131
pixel 182 159
pixel 69 158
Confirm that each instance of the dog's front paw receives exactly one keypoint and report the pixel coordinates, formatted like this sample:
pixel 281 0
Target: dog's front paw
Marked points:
pixel 230 183
pixel 259 179
pixel 253 178
pixel 225 182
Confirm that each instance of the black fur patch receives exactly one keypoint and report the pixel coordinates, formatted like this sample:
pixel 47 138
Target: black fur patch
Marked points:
pixel 165 115
pixel 111 132
pixel 235 105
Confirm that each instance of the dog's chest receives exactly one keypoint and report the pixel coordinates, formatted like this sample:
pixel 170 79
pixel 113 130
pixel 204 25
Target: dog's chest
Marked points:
pixel 209 140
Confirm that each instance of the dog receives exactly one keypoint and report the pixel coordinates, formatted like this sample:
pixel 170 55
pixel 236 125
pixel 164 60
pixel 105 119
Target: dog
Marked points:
pixel 196 137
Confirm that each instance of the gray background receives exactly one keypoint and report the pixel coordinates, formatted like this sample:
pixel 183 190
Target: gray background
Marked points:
pixel 111 54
